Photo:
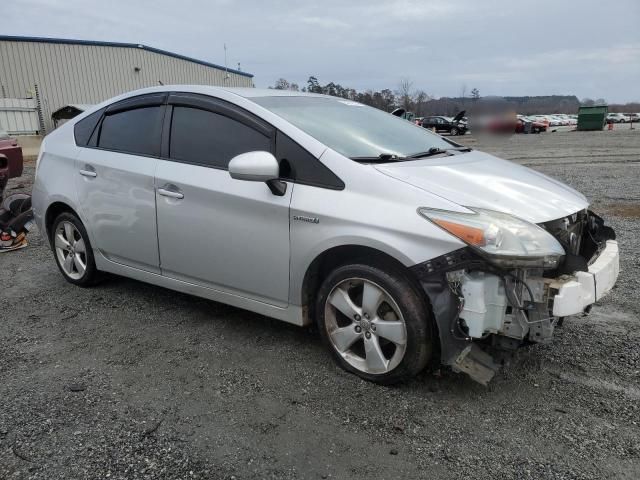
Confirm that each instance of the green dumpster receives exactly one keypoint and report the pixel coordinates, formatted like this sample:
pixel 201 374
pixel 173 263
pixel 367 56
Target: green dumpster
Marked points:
pixel 592 118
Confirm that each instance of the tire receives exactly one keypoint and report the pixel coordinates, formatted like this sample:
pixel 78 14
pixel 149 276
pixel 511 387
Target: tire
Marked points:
pixel 354 334
pixel 455 131
pixel 73 257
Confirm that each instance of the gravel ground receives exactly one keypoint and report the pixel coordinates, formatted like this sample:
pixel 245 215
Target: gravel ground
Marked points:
pixel 128 380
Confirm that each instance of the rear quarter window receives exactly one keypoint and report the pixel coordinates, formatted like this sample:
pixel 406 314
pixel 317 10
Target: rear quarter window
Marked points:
pixel 83 129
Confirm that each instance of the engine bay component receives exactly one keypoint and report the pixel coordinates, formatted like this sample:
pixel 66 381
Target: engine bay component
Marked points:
pixel 484 304
pixel 483 308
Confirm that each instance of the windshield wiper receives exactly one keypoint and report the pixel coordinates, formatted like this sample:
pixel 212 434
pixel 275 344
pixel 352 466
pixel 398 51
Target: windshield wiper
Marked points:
pixel 437 151
pixel 382 158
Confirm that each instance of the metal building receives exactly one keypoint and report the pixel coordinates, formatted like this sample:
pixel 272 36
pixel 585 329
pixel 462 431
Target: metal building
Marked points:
pixel 57 72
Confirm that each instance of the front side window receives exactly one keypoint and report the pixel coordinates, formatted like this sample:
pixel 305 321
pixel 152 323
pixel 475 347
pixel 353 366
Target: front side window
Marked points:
pixel 132 131
pixel 207 138
pixel 352 129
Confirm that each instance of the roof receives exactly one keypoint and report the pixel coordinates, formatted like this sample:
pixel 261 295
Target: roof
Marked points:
pixel 68 41
pixel 269 92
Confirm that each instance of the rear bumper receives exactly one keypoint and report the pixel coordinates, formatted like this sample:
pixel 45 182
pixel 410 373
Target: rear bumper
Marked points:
pixel 577 292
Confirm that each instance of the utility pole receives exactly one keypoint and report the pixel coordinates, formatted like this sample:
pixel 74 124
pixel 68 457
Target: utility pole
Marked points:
pixel 226 70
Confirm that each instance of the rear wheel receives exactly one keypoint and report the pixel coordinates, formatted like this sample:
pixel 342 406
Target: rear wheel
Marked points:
pixel 375 323
pixel 72 250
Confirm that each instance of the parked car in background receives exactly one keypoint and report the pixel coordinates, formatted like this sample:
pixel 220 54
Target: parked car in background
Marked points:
pixel 402 246
pixel 11 162
pixel 526 125
pixel 633 117
pixel 441 124
pixel 564 118
pixel 542 119
pixel 616 118
pixel 555 121
pixel 498 124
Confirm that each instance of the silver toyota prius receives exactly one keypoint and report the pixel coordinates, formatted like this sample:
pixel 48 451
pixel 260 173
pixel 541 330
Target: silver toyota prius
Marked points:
pixel 403 247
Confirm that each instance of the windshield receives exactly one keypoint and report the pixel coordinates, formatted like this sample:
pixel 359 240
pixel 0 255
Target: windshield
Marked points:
pixel 352 129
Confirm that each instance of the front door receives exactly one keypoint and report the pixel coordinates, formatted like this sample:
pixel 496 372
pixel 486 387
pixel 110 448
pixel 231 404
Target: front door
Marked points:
pixel 115 182
pixel 214 231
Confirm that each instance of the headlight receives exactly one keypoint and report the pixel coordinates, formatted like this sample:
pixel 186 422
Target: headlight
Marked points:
pixel 502 238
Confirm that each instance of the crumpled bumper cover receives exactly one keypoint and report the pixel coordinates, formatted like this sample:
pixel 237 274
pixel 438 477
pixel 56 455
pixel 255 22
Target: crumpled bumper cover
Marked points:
pixel 577 292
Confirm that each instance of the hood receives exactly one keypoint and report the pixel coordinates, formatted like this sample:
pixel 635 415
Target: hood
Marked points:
pixel 459 116
pixel 477 179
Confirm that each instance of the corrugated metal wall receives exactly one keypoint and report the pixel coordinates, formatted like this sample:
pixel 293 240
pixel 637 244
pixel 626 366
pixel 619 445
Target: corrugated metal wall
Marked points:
pixel 19 116
pixel 70 73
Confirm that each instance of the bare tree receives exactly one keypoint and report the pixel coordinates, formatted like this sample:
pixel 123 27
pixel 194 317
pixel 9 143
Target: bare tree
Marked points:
pixel 404 92
pixel 475 94
pixel 282 84
pixel 419 99
pixel 463 92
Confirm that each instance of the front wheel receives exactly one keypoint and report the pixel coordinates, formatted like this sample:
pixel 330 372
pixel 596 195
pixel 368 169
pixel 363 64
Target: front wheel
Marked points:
pixel 455 131
pixel 375 323
pixel 72 250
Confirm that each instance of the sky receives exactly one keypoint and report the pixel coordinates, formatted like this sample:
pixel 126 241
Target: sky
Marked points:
pixel 585 48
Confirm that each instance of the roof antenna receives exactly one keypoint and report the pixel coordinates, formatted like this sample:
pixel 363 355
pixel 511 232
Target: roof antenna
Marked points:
pixel 160 82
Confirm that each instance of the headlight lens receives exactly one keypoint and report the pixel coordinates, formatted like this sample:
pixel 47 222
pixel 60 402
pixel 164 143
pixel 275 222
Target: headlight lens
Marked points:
pixel 502 238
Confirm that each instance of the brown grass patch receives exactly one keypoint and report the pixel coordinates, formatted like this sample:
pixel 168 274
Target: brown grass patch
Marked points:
pixel 626 210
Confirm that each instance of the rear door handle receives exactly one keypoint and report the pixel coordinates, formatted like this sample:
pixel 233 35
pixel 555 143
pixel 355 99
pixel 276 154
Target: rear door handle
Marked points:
pixel 88 171
pixel 170 191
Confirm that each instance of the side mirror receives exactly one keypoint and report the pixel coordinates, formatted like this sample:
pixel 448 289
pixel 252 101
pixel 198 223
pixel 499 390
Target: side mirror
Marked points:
pixel 254 167
pixel 258 167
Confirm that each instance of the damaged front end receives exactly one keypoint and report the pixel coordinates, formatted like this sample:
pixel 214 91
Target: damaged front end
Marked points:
pixel 487 305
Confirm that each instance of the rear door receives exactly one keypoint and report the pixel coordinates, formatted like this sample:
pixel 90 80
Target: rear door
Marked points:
pixel 115 181
pixel 214 231
pixel 428 122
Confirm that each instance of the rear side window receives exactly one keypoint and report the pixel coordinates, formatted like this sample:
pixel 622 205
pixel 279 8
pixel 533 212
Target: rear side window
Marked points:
pixel 83 129
pixel 206 138
pixel 300 166
pixel 133 131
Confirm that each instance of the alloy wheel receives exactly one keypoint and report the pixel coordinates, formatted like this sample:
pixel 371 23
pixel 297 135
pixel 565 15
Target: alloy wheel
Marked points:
pixel 365 326
pixel 70 250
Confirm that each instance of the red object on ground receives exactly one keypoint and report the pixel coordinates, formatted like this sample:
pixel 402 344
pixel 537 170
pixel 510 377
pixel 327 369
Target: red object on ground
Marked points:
pixel 13 152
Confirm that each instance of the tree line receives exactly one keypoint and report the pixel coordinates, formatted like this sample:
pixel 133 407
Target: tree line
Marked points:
pixel 422 104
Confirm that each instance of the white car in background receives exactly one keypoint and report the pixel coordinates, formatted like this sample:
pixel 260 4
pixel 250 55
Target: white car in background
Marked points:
pixel 617 118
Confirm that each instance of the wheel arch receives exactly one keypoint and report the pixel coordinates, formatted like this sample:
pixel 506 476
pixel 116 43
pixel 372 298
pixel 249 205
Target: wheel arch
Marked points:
pixel 336 256
pixel 52 212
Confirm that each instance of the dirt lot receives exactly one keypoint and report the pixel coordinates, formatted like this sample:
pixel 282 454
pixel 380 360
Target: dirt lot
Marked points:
pixel 127 380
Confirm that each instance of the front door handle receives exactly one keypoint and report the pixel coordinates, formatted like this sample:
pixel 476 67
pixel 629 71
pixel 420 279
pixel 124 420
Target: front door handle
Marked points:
pixel 170 191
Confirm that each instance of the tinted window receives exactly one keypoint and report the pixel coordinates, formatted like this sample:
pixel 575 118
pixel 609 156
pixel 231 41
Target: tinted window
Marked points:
pixel 207 138
pixel 299 165
pixel 85 127
pixel 133 131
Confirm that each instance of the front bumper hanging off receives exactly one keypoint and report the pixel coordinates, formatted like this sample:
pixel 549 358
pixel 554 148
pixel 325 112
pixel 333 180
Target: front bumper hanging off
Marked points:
pixel 575 293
